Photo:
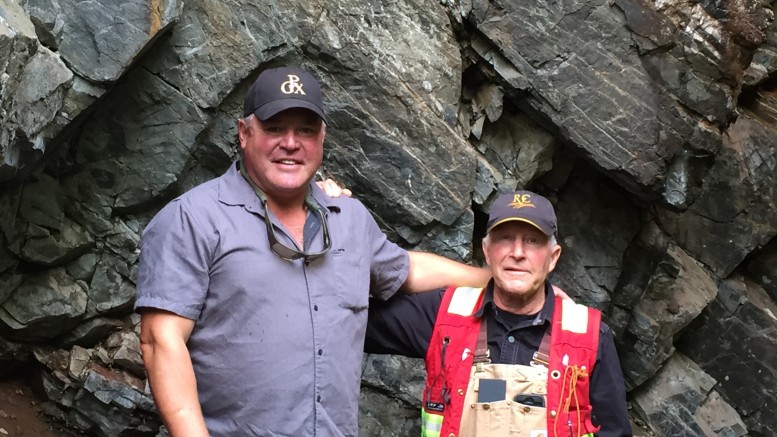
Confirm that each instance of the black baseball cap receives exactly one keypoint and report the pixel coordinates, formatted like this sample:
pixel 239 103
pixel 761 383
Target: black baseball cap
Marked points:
pixel 523 206
pixel 279 89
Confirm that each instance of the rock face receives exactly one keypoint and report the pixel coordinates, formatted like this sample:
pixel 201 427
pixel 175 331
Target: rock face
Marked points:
pixel 649 125
pixel 741 324
pixel 681 400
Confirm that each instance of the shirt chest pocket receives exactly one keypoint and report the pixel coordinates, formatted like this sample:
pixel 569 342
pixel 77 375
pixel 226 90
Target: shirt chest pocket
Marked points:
pixel 350 274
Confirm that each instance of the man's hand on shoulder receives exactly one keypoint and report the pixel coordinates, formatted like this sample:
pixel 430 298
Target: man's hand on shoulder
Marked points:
pixel 331 188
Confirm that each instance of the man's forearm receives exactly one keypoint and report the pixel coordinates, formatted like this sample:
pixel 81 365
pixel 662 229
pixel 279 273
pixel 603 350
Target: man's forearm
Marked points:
pixel 429 271
pixel 174 387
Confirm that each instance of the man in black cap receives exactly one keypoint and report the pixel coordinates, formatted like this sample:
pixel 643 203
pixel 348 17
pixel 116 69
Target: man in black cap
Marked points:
pixel 509 359
pixel 253 288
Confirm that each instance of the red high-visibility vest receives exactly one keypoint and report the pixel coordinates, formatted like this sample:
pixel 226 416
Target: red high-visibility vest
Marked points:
pixel 574 341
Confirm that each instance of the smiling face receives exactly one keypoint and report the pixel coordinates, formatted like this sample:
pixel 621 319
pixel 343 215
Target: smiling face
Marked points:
pixel 520 257
pixel 281 154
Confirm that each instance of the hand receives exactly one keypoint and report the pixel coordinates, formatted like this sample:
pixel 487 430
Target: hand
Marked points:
pixel 331 188
pixel 561 293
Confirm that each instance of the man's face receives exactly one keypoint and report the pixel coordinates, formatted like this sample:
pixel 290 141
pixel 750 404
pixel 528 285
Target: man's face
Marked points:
pixel 281 154
pixel 520 257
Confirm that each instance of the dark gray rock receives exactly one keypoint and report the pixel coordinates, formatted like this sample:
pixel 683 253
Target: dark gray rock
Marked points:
pixel 45 235
pixel 715 40
pixel 50 248
pixel 124 350
pixel 763 269
pixel 8 259
pixel 734 341
pixel 83 267
pixel 48 18
pixel 677 291
pixel 581 68
pixel 110 290
pixel 680 401
pixel 427 171
pixel 132 151
pixel 8 283
pixel 32 92
pixel 216 46
pixel 390 400
pixel 486 181
pixel 99 400
pixel 516 146
pixel 563 87
pixel 644 253
pixel 737 209
pixel 101 39
pixel 764 62
pixel 42 203
pixel 12 356
pixel 43 306
pixel 404 377
pixel 382 415
pixel 78 362
pixel 454 241
pixel 125 239
pixel 90 332
pixel 590 265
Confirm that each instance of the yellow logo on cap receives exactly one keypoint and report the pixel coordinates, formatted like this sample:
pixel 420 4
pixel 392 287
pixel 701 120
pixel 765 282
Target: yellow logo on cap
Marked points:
pixel 292 86
pixel 522 201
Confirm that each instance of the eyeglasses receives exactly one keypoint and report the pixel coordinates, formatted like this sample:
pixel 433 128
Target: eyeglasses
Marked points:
pixel 280 249
pixel 291 253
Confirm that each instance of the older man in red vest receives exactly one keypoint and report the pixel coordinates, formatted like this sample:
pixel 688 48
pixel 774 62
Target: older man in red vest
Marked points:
pixel 509 359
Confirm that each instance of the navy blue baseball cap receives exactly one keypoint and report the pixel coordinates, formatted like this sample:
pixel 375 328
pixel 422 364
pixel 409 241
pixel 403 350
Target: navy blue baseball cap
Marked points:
pixel 523 206
pixel 279 89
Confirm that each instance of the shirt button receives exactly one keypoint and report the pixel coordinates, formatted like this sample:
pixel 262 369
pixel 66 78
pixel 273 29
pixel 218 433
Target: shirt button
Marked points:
pixel 318 398
pixel 460 392
pixel 553 413
pixel 315 307
pixel 321 352
pixel 511 339
pixel 451 435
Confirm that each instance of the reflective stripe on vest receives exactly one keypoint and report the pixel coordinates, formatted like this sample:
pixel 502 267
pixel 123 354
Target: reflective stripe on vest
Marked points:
pixel 464 301
pixel 574 317
pixel 431 424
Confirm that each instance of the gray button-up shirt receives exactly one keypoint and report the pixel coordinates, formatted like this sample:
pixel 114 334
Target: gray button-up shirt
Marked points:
pixel 277 344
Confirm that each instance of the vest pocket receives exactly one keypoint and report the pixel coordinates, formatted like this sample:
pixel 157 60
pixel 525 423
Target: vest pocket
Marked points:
pixel 508 418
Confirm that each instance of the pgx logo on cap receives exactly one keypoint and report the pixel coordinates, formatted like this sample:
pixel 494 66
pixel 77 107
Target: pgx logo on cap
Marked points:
pixel 292 86
pixel 279 89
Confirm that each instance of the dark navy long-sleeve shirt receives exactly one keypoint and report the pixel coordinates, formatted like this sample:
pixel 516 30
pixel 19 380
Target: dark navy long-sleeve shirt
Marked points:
pixel 403 325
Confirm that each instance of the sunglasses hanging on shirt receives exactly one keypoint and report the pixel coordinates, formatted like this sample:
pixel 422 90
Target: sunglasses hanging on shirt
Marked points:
pixel 280 249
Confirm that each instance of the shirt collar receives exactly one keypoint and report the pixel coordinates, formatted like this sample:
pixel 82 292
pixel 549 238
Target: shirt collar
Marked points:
pixel 545 314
